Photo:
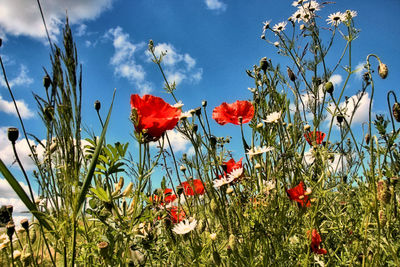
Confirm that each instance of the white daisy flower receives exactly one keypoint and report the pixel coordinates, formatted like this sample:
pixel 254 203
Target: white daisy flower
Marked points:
pixel 185 115
pixel 236 173
pixel 178 105
pixel 273 117
pixel 276 44
pixel 335 18
pixel 185 227
pixel 266 25
pixel 258 150
pixel 224 180
pixel 269 185
pixel 309 157
pixel 313 6
pixel 280 26
pixel 349 14
pixel 297 16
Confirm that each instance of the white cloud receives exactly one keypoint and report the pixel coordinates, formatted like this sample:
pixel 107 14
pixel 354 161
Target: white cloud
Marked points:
pixel 9 197
pixel 336 79
pixel 178 67
pixel 359 104
pixel 215 5
pixel 22 78
pixel 178 142
pixel 8 107
pixel 81 30
pixel 359 70
pixel 20 17
pixel 124 59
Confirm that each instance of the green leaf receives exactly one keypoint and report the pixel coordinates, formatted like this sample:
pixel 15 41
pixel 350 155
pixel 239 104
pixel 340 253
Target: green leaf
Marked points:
pixel 100 193
pixel 88 179
pixel 23 196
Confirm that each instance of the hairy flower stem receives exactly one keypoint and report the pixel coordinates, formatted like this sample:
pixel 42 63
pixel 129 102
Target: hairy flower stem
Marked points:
pixel 23 171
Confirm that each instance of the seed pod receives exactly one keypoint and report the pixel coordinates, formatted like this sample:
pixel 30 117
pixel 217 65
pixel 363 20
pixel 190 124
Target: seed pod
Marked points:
pixel 10 229
pixel 307 127
pixel 97 105
pixel 25 224
pixel 329 87
pixel 367 138
pixel 383 70
pixel 340 118
pixel 396 111
pixel 198 111
pixel 46 81
pixel 204 103
pixel 13 134
pixel 264 64
pixel 291 75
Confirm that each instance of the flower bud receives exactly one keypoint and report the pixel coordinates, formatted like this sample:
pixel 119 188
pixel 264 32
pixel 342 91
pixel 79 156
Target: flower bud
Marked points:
pixel 291 75
pixel 339 118
pixel 329 87
pixel 182 168
pixel 383 70
pixel 13 134
pixel 198 111
pixel 151 45
pixel 276 44
pixel 97 105
pixel 260 125
pixel 213 236
pixel 213 205
pixel 383 192
pixel 10 229
pixel 103 248
pixel 367 138
pixel 307 127
pixel 46 81
pixel 264 64
pixel 262 36
pixel 204 103
pixel 382 217
pixel 25 224
pixel 213 141
pixel 195 128
pixel 128 190
pixel 396 111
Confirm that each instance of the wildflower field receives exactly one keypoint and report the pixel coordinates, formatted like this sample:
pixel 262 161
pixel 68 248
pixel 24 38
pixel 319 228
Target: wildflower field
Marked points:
pixel 293 195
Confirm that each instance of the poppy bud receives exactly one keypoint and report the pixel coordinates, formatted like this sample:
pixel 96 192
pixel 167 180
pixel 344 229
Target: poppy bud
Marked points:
pixel 13 134
pixel 10 229
pixel 103 248
pixel 383 70
pixel 329 87
pixel 198 111
pixel 204 103
pixel 46 81
pixel 195 128
pixel 291 75
pixel 339 119
pixel 97 105
pixel 396 111
pixel 367 138
pixel 25 224
pixel 264 64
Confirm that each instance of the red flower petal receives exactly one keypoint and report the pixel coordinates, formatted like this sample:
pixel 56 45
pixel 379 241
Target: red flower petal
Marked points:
pixel 315 243
pixel 232 165
pixel 175 217
pixel 297 194
pixel 154 115
pixel 317 136
pixel 230 113
pixel 188 187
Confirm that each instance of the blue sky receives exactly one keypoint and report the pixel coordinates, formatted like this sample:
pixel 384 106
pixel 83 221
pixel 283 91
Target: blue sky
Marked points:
pixel 210 44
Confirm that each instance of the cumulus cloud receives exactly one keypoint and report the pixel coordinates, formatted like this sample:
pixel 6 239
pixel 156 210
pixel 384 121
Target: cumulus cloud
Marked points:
pixel 215 5
pixel 359 70
pixel 9 197
pixel 8 107
pixel 178 67
pixel 178 142
pixel 20 17
pixel 357 104
pixel 336 80
pixel 125 59
pixel 22 78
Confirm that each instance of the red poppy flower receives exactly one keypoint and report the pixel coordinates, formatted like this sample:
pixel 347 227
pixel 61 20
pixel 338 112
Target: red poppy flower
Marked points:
pixel 167 197
pixel 316 136
pixel 152 116
pixel 232 165
pixel 297 194
pixel 193 187
pixel 230 113
pixel 315 242
pixel 175 216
